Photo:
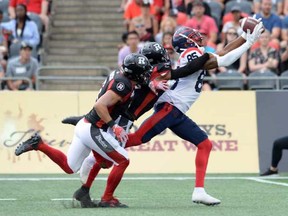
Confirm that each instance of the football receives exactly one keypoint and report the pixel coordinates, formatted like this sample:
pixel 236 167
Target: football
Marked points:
pixel 248 23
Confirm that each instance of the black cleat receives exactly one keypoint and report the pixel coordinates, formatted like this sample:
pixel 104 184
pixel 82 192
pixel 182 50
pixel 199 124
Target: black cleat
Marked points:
pixel 83 196
pixel 113 203
pixel 269 172
pixel 28 145
pixel 73 120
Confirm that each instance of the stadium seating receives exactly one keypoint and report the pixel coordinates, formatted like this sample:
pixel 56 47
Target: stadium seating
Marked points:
pixel 236 84
pixel 216 11
pixel 245 6
pixel 259 83
pixel 4 8
pixel 284 82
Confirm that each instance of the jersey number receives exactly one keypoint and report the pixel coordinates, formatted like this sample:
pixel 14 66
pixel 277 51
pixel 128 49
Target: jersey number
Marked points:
pixel 199 82
pixel 192 56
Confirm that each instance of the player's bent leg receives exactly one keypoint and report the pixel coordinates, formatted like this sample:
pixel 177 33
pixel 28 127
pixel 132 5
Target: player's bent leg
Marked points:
pixel 114 178
pixel 36 143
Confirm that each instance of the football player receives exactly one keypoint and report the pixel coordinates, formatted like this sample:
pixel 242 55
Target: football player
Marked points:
pixel 94 131
pixel 172 105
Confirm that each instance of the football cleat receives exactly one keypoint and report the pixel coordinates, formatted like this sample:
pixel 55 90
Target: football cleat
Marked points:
pixel 204 198
pixel 84 198
pixel 28 145
pixel 113 203
pixel 270 172
pixel 73 120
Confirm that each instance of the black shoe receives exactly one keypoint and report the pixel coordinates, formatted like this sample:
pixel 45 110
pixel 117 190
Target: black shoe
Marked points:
pixel 269 172
pixel 73 120
pixel 83 196
pixel 113 203
pixel 28 145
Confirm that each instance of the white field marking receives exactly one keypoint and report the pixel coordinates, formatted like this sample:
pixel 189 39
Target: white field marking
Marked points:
pixel 143 178
pixel 265 181
pixel 70 199
pixel 8 199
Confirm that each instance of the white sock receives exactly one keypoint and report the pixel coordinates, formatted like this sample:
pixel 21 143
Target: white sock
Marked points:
pixel 199 190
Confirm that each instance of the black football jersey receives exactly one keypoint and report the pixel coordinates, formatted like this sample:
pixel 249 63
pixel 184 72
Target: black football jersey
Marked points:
pixel 122 86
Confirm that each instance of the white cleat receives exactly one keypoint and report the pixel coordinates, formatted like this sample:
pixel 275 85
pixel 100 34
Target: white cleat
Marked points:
pixel 204 198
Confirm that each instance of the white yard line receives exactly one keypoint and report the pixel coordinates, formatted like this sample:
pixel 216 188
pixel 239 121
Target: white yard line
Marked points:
pixel 265 181
pixel 141 178
pixel 8 199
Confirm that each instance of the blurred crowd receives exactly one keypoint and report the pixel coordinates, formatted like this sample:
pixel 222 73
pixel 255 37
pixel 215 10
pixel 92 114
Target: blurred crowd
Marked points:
pixel 218 20
pixel 22 25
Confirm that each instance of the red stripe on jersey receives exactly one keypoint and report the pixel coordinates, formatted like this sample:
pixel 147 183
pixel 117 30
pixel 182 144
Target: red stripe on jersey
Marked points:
pixel 150 96
pixel 189 50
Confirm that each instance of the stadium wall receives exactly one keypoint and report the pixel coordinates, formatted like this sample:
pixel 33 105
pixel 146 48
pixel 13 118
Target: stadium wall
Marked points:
pixel 272 117
pixel 229 118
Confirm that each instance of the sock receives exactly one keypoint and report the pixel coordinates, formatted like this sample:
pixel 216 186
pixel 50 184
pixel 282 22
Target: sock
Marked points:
pixel 115 175
pixel 92 175
pixel 199 190
pixel 201 161
pixel 55 155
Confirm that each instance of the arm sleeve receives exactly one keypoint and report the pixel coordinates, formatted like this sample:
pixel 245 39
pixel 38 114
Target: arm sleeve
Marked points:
pixel 192 67
pixel 231 57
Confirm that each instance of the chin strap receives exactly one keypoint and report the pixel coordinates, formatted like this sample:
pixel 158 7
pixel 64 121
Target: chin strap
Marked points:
pixel 202 49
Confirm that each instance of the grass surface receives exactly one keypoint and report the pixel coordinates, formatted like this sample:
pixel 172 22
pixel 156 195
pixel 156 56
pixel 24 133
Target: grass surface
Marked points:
pixel 162 196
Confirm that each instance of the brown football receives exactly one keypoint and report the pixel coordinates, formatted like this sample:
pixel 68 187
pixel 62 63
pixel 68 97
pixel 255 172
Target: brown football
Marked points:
pixel 248 23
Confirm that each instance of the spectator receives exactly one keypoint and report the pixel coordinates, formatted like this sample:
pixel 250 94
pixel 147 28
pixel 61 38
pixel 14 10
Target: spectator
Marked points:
pixel 167 39
pixel 278 147
pixel 3 46
pixel 240 64
pixel 236 12
pixel 22 28
pixel 22 66
pixel 271 21
pixel 277 6
pixel 264 57
pixel 131 47
pixel 168 24
pixel 285 10
pixel 151 24
pixel 284 56
pixel 172 54
pixel 2 74
pixel 139 26
pixel 134 10
pixel 39 7
pixel 203 22
pixel 284 35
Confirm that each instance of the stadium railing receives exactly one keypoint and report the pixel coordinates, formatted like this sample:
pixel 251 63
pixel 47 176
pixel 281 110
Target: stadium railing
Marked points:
pixel 18 78
pixel 72 74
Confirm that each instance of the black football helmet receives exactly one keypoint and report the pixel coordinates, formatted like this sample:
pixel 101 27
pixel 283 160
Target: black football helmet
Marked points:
pixel 137 67
pixel 186 37
pixel 155 52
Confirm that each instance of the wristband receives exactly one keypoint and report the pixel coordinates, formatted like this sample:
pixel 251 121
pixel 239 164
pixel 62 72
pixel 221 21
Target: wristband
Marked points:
pixel 111 123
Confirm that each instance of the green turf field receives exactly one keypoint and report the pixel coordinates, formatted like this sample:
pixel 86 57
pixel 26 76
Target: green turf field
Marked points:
pixel 163 195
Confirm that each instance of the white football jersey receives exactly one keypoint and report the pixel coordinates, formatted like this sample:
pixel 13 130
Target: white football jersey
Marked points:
pixel 185 91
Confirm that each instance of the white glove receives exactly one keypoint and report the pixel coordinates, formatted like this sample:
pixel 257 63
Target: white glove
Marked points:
pixel 155 85
pixel 120 133
pixel 251 38
pixel 244 34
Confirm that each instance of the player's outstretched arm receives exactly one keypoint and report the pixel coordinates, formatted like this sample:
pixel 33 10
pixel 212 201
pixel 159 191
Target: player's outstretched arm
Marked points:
pixel 231 57
pixel 231 46
pixel 192 67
